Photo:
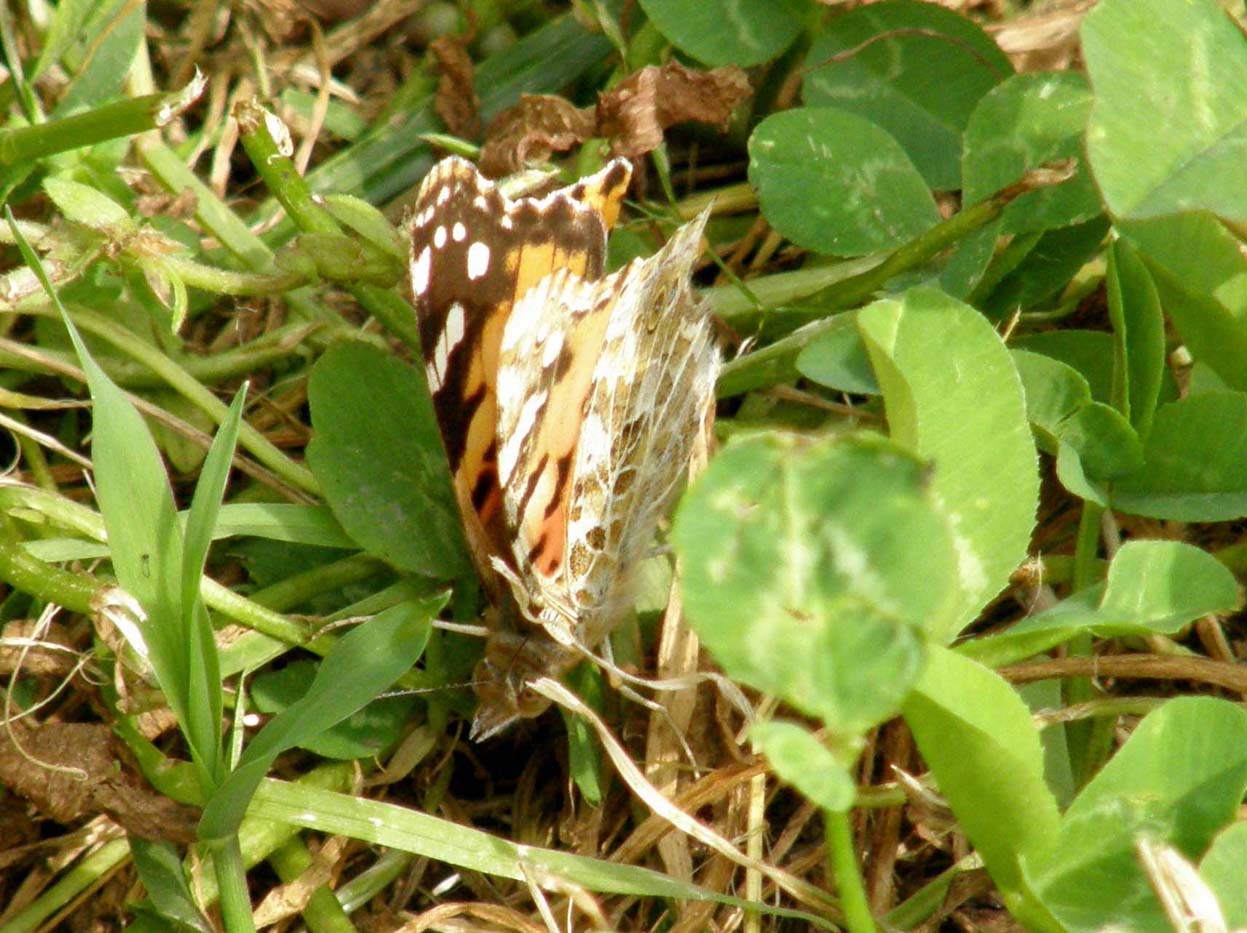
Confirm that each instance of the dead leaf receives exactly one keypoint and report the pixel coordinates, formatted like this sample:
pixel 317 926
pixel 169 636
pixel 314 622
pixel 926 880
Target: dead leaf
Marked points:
pixel 72 771
pixel 634 113
pixel 533 130
pixel 284 901
pixel 456 101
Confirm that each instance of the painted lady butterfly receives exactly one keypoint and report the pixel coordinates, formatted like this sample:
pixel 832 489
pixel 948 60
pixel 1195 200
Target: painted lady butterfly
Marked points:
pixel 568 405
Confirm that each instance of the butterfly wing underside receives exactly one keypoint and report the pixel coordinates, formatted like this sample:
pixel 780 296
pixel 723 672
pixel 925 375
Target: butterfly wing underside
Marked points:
pixel 603 387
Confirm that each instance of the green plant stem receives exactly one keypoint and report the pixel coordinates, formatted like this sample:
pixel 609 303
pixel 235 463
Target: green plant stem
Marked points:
pixel 27 144
pixel 71 884
pixel 322 913
pixel 278 345
pixel 300 588
pixel 777 363
pixel 231 876
pixel 847 873
pixel 73 591
pixel 768 295
pixel 227 282
pixel 293 193
pixel 1080 735
pixel 210 211
pixel 185 385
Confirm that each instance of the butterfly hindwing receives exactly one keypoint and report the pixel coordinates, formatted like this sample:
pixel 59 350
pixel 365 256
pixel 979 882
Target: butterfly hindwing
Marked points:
pixel 596 438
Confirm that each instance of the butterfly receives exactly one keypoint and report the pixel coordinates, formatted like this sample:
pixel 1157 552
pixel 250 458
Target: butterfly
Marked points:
pixel 568 403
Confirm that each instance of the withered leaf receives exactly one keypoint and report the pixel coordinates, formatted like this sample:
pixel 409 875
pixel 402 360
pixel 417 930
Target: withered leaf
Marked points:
pixel 46 764
pixel 531 131
pixel 634 113
pixel 456 101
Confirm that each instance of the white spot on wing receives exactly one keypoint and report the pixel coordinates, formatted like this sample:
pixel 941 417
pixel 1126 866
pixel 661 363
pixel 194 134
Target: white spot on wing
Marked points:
pixel 439 237
pixel 447 340
pixel 478 260
pixel 458 232
pixel 420 273
pixel 443 196
pixel 454 326
pixel 507 222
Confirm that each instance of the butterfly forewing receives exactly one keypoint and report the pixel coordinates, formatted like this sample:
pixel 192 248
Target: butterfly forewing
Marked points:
pixel 474 252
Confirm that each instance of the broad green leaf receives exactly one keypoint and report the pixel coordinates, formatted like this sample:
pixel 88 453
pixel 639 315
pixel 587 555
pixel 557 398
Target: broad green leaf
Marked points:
pixel 366 733
pixel 1106 444
pixel 835 183
pixel 1153 587
pixel 1019 125
pixel 1053 390
pixel 807 764
pixel 116 29
pixel 1168 583
pixel 1201 274
pixel 160 869
pixel 1169 127
pixel 809 567
pixel 1090 352
pixel 1195 462
pixel 953 395
pixel 85 205
pixel 914 69
pixel 1139 332
pixel 838 360
pixel 365 662
pixel 1179 779
pixel 1059 406
pixel 1047 268
pixel 1074 478
pixel 1222 868
pixel 729 32
pixel 379 458
pixel 978 737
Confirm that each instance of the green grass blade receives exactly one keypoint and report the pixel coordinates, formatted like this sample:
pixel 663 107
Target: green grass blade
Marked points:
pixel 365 662
pixel 143 534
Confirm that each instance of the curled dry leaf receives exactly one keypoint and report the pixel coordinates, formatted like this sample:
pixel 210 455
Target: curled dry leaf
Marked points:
pixel 531 131
pixel 70 772
pixel 632 115
pixel 456 101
